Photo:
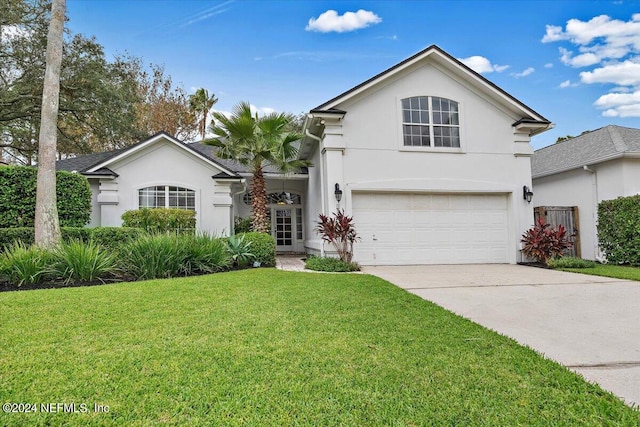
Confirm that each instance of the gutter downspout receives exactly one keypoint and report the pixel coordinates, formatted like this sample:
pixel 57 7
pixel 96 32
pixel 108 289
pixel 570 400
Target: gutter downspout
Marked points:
pixel 243 182
pixel 596 248
pixel 322 186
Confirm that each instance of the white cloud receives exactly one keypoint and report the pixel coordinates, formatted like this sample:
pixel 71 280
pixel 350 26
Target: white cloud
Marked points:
pixel 481 65
pixel 330 21
pixel 619 104
pixel 548 65
pixel 565 83
pixel 625 73
pixel 524 73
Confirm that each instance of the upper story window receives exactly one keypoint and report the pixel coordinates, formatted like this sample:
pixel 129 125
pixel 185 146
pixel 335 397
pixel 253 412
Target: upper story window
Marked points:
pixel 164 196
pixel 429 121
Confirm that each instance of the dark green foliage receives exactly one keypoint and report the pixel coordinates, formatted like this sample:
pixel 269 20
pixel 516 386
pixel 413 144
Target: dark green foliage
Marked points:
pixel 165 255
pixel 21 264
pixel 18 197
pixel 161 220
pixel 25 235
pixel 330 264
pixel 242 225
pixel 82 261
pixel 263 248
pixel 619 229
pixel 571 262
pixel 115 237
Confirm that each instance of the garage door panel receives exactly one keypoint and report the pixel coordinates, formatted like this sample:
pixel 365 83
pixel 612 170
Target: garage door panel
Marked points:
pixel 403 228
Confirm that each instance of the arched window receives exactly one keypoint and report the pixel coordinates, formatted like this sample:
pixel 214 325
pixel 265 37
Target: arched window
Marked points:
pixel 429 121
pixel 281 198
pixel 165 196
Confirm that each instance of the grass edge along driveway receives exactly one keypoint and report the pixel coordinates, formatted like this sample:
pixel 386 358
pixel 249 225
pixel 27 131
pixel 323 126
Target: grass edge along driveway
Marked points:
pixel 267 347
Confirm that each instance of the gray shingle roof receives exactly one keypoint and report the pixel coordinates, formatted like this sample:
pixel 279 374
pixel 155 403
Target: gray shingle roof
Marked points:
pixel 593 147
pixel 86 161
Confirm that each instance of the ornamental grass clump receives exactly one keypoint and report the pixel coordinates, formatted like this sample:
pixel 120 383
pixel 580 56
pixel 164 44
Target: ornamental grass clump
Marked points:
pixel 340 232
pixel 25 265
pixel 82 261
pixel 543 242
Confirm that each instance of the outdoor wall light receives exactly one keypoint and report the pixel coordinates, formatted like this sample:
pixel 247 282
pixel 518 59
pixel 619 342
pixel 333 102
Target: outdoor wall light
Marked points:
pixel 338 193
pixel 527 194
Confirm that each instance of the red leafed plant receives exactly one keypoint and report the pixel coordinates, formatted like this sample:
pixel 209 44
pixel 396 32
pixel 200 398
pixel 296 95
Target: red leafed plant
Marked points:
pixel 543 242
pixel 340 232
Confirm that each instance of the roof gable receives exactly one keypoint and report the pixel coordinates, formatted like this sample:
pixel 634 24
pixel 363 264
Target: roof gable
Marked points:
pixel 600 145
pixel 106 161
pixel 437 55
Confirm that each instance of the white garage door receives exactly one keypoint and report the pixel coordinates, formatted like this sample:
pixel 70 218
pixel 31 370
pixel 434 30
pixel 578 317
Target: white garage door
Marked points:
pixel 402 228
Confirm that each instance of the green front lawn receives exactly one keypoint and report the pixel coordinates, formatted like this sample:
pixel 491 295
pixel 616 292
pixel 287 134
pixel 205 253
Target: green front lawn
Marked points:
pixel 267 347
pixel 608 270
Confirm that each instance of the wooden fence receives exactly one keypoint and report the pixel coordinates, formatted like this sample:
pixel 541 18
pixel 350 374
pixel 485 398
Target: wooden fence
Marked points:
pixel 568 217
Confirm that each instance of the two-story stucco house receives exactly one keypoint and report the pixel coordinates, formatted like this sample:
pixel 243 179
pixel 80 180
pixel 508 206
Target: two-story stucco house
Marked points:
pixel 429 157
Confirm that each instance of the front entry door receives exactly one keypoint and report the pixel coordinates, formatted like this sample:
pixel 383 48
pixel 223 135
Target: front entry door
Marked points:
pixel 282 225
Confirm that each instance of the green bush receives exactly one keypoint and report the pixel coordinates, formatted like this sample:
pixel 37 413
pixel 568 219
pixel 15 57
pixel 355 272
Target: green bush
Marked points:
pixel 154 256
pixel 114 238
pixel 18 197
pixel 242 225
pixel 619 229
pixel 21 264
pixel 330 264
pixel 82 261
pixel 161 220
pixel 263 247
pixel 8 236
pixel 205 254
pixel 571 262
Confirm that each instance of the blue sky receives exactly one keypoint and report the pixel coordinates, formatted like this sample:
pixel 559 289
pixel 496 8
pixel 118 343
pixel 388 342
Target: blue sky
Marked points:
pixel 575 62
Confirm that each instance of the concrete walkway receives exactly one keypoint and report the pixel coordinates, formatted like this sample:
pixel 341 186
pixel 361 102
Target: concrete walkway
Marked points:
pixel 589 324
pixel 290 262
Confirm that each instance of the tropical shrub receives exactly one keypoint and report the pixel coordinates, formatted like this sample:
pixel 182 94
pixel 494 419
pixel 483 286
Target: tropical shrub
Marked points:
pixel 242 225
pixel 619 229
pixel 8 236
pixel 239 250
pixel 542 242
pixel 25 265
pixel 571 262
pixel 330 264
pixel 82 261
pixel 161 220
pixel 340 232
pixel 263 248
pixel 154 256
pixel 18 197
pixel 114 238
pixel 205 254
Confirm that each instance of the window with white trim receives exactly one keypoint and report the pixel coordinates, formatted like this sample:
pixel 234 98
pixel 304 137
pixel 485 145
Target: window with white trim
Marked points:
pixel 165 196
pixel 430 121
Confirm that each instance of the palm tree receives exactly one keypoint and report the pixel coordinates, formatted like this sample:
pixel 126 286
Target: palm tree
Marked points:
pixel 200 103
pixel 256 142
pixel 47 227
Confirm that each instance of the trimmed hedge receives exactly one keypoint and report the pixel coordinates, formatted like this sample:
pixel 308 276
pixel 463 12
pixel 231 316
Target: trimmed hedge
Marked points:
pixel 26 235
pixel 335 265
pixel 18 197
pixel 263 247
pixel 619 229
pixel 115 237
pixel 160 220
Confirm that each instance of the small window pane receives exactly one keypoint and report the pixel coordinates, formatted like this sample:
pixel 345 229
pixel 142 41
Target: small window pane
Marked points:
pixel 406 116
pixel 415 117
pixel 406 103
pixel 424 117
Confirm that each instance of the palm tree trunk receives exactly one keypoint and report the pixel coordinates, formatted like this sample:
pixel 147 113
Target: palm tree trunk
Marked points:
pixel 261 221
pixel 47 228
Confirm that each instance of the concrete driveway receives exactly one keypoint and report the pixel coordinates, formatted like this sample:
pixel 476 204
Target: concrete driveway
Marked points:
pixel 589 324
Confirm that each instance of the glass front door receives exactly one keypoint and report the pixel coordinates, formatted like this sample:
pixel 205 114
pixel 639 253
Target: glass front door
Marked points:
pixel 282 226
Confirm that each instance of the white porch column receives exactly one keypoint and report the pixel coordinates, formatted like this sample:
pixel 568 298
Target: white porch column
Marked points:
pixel 108 200
pixel 222 207
pixel 332 150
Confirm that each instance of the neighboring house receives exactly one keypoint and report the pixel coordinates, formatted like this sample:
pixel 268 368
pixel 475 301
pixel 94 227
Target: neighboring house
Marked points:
pixel 430 159
pixel 600 165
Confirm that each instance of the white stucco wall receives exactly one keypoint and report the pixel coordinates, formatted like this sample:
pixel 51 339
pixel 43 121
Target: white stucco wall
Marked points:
pixel 365 152
pixel 612 179
pixel 164 163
